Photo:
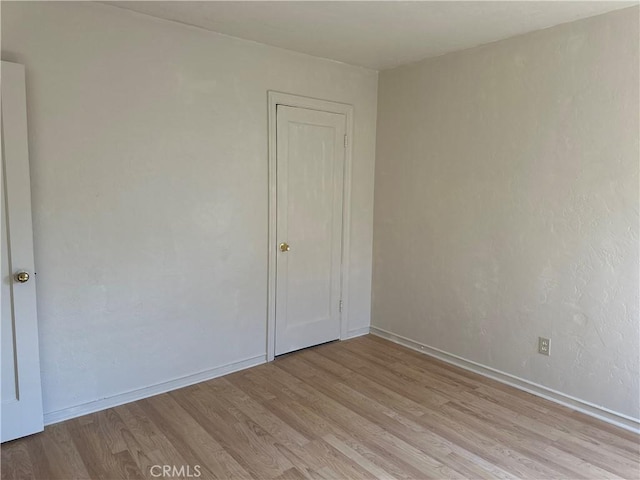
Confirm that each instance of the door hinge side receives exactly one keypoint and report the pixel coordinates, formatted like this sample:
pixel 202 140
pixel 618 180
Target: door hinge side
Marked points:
pixel 346 143
pixel 340 306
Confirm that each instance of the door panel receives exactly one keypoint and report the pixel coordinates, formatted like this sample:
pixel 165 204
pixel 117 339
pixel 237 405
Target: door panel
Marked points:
pixel 9 388
pixel 310 170
pixel 21 390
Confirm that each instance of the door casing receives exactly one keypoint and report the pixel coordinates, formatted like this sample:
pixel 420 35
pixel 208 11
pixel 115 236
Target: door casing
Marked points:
pixel 279 98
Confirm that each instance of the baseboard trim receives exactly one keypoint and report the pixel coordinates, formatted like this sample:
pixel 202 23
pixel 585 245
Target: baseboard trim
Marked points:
pixel 146 392
pixel 618 419
pixel 356 332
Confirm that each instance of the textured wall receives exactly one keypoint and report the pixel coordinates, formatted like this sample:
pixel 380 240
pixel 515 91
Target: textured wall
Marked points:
pixel 506 206
pixel 148 144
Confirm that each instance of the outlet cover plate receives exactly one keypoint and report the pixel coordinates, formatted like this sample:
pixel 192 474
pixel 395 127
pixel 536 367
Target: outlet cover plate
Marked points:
pixel 544 346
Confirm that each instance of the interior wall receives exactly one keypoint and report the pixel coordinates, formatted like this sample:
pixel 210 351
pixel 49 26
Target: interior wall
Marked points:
pixel 506 207
pixel 148 146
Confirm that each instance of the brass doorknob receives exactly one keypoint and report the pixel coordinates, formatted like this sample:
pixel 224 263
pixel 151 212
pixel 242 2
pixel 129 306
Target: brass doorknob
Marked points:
pixel 284 247
pixel 22 277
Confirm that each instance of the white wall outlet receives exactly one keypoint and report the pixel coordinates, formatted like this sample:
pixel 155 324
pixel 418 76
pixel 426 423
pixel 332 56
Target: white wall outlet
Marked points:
pixel 544 346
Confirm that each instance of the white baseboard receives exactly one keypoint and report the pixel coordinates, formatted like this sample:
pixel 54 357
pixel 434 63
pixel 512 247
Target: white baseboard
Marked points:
pixel 618 419
pixel 138 394
pixel 356 332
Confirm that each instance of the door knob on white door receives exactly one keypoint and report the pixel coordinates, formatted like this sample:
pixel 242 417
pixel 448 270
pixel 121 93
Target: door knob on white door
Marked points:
pixel 22 277
pixel 284 247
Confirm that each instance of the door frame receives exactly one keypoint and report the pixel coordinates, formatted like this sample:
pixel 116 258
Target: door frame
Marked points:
pixel 290 100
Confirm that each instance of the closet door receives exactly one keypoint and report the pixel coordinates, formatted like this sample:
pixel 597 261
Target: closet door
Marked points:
pixel 21 392
pixel 310 167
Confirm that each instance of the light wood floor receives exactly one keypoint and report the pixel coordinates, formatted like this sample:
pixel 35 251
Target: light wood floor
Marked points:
pixel 364 408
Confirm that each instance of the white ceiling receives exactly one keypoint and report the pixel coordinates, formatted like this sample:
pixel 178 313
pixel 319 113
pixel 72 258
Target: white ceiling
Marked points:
pixel 379 34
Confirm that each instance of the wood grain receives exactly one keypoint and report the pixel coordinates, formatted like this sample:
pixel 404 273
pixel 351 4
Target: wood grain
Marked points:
pixel 363 409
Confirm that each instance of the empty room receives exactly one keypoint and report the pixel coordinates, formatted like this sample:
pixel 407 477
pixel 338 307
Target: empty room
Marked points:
pixel 320 240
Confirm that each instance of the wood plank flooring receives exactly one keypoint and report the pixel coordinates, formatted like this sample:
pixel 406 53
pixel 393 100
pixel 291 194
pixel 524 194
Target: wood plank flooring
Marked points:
pixel 364 408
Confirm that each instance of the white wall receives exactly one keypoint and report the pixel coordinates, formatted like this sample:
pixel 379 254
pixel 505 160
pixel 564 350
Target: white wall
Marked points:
pixel 148 143
pixel 506 207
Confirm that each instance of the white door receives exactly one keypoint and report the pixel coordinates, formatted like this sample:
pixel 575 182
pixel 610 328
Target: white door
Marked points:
pixel 21 394
pixel 310 175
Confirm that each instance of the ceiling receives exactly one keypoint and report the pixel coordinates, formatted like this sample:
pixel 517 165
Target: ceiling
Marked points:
pixel 379 34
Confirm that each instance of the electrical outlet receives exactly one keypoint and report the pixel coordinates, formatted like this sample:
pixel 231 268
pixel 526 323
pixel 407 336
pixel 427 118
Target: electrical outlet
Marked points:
pixel 544 346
